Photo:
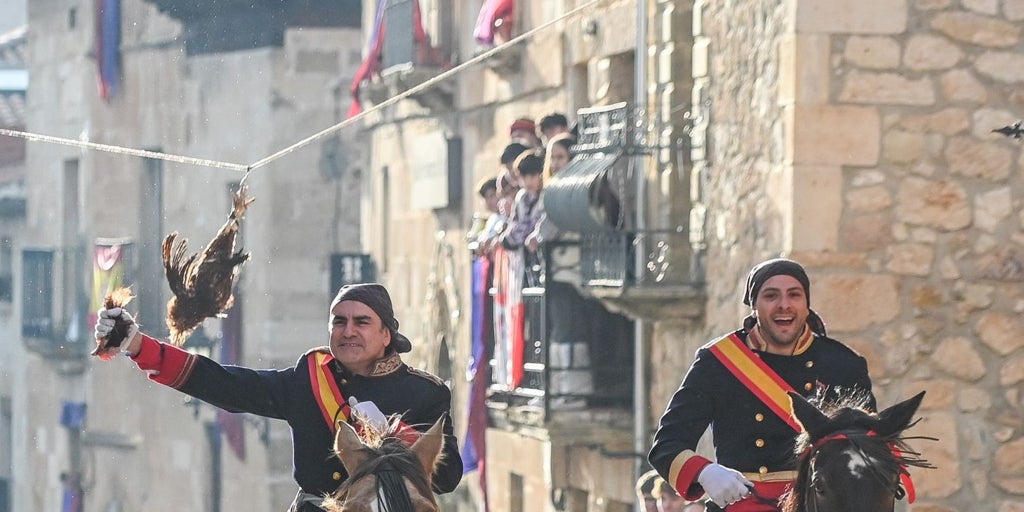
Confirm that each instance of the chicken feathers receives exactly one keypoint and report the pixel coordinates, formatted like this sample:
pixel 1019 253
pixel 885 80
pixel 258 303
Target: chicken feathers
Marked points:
pixel 108 348
pixel 202 282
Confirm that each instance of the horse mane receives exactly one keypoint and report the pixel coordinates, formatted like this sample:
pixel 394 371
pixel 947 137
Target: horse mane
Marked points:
pixel 847 414
pixel 391 461
pixel 402 462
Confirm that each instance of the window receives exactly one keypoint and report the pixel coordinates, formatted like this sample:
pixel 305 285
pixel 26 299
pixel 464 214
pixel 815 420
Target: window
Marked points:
pixel 37 293
pixel 6 269
pixel 407 41
pixel 516 490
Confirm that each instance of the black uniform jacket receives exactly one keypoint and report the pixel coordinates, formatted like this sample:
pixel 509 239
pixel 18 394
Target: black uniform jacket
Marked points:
pixel 288 395
pixel 748 436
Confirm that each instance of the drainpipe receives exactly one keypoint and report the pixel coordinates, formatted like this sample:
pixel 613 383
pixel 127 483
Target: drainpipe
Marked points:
pixel 640 394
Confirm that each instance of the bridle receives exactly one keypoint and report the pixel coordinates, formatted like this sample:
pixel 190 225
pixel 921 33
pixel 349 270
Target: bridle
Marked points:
pixel 905 486
pixel 392 494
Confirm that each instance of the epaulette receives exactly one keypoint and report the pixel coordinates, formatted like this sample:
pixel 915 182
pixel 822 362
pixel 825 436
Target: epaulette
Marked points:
pixel 324 349
pixel 426 375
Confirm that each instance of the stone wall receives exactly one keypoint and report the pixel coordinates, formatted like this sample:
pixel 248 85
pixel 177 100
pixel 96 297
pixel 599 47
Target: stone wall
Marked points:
pixel 237 107
pixel 855 136
pixel 929 220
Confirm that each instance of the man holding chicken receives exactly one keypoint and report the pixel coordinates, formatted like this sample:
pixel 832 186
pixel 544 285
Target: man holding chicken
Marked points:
pixel 360 377
pixel 738 384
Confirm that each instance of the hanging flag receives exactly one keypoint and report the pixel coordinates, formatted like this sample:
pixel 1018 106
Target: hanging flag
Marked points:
pixel 108 274
pixel 494 14
pixel 374 48
pixel 108 47
pixel 371 63
pixel 232 425
pixel 474 449
pixel 509 266
pixel 72 417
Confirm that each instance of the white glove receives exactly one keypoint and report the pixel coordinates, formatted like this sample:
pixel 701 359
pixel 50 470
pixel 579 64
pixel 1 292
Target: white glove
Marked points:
pixel 369 413
pixel 723 485
pixel 105 324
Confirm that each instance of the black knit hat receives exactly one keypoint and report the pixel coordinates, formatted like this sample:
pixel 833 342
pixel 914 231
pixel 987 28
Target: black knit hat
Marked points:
pixel 766 270
pixel 376 297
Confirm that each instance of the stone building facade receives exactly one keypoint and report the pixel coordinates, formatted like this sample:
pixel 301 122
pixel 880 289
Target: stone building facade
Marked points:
pixel 852 136
pixel 220 81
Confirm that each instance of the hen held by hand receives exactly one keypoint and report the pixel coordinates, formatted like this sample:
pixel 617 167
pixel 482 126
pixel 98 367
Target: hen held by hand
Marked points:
pixel 202 282
pixel 107 348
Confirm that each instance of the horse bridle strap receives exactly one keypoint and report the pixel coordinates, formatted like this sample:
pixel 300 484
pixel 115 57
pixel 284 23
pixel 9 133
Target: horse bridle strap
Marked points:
pixel 906 487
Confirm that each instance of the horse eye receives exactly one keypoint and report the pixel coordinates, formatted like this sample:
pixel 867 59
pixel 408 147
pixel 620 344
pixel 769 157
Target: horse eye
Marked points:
pixel 819 486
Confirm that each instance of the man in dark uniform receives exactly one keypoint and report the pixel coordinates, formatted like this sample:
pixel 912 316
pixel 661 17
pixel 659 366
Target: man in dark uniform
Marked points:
pixel 737 385
pixel 360 374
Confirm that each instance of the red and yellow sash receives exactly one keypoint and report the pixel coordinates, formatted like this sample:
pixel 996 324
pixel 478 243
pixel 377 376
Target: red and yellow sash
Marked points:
pixel 760 379
pixel 325 389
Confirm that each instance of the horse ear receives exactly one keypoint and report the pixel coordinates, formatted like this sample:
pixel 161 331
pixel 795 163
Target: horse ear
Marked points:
pixel 811 419
pixel 347 446
pixel 898 417
pixel 428 447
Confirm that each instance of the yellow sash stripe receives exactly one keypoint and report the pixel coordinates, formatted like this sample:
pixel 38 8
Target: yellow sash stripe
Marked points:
pixel 756 376
pixel 328 396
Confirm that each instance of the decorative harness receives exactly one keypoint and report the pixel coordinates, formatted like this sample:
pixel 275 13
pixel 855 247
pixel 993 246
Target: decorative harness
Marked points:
pixel 906 486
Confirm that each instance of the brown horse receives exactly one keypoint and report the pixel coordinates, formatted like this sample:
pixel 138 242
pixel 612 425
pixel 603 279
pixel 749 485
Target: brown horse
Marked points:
pixel 385 475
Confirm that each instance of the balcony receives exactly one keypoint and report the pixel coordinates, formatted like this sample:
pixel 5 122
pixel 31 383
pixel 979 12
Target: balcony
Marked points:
pixel 634 257
pixel 230 25
pixel 574 366
pixel 408 58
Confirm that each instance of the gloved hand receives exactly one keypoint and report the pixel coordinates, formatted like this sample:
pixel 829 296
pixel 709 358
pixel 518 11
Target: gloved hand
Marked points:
pixel 723 485
pixel 105 324
pixel 369 413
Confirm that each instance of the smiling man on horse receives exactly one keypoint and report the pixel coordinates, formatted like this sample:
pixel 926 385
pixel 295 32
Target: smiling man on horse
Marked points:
pixel 361 373
pixel 738 385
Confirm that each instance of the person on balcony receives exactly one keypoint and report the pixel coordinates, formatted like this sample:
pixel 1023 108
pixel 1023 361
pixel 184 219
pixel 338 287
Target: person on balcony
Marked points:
pixel 486 226
pixel 524 131
pixel 553 124
pixel 359 377
pixel 557 156
pixel 737 385
pixel 527 209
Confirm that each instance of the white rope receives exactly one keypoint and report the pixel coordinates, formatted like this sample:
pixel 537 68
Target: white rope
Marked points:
pixel 35 137
pixel 425 85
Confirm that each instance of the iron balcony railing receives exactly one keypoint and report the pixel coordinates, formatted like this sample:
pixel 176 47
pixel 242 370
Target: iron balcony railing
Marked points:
pixel 575 356
pixel 599 195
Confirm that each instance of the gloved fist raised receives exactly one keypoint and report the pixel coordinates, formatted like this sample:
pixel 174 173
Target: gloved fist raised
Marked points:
pixel 368 413
pixel 723 485
pixel 115 328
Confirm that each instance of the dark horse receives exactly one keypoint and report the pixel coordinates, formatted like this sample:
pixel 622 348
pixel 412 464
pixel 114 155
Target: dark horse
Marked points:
pixel 386 475
pixel 852 460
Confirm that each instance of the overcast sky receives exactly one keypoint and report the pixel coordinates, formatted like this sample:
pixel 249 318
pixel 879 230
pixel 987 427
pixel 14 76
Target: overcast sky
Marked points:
pixel 12 14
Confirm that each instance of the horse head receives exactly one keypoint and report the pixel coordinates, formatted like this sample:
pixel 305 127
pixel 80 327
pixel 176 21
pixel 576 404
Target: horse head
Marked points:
pixel 852 460
pixel 386 475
